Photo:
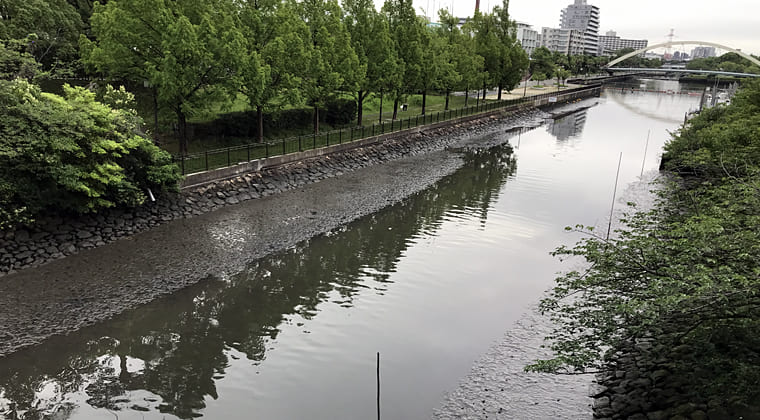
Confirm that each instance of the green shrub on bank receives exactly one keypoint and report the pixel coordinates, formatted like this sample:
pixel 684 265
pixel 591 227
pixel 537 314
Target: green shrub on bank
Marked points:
pixel 72 154
pixel 244 124
pixel 686 273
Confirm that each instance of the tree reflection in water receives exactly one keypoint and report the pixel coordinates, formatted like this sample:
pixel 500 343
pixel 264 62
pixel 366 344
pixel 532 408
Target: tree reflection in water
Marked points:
pixel 167 355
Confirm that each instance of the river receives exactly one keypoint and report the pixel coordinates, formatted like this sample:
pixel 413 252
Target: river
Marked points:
pixel 431 283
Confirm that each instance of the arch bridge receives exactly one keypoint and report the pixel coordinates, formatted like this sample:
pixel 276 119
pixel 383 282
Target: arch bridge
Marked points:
pixel 672 43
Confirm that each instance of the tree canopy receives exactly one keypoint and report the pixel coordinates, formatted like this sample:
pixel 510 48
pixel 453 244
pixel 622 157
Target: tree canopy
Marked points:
pixel 73 153
pixel 727 62
pixel 380 69
pixel 49 29
pixel 188 50
pixel 197 58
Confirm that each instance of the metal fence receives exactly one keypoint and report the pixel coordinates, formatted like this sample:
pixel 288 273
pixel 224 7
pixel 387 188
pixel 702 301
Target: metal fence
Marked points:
pixel 229 156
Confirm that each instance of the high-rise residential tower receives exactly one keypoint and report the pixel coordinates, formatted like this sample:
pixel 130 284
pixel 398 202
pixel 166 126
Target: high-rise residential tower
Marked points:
pixel 583 17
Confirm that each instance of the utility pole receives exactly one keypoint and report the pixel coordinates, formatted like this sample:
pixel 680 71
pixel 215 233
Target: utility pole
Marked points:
pixel 477 5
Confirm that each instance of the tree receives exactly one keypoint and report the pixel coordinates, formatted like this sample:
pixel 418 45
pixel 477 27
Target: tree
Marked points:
pixel 49 29
pixel 332 63
pixel 188 51
pixel 72 153
pixel 276 47
pixel 512 58
pixel 17 65
pixel 542 61
pixel 461 61
pixel 561 75
pixel 407 32
pixel 379 69
pixel 437 64
pixel 483 29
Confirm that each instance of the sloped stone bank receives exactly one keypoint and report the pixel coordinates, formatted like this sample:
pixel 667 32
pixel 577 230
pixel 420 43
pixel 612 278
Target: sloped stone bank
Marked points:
pixel 647 381
pixel 58 237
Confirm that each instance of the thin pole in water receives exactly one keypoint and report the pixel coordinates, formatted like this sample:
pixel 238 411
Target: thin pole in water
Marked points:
pixel 378 385
pixel 645 153
pixel 614 194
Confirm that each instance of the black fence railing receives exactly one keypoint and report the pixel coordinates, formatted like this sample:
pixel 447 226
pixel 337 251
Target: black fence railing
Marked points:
pixel 229 156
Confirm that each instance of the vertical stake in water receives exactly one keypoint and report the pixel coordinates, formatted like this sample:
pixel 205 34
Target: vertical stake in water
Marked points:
pixel 378 385
pixel 614 194
pixel 645 153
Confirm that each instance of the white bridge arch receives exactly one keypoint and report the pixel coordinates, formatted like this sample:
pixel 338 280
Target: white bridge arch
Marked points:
pixel 672 43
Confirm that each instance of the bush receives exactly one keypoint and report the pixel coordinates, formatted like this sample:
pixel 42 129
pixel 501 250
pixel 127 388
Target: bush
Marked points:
pixel 244 124
pixel 72 153
pixel 340 112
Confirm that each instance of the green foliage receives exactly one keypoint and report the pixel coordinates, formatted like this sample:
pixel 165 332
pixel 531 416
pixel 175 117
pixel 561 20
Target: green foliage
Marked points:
pixel 188 51
pixel 727 62
pixel 277 45
pixel 722 141
pixel 49 29
pixel 542 62
pixel 15 64
pixel 686 272
pixel 407 31
pixel 561 75
pixel 585 64
pixel 379 69
pixel 482 29
pixel 244 124
pixel 72 154
pixel 332 63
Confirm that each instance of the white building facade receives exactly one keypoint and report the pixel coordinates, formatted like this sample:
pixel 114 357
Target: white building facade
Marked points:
pixel 583 17
pixel 610 43
pixel 565 41
pixel 703 52
pixel 529 38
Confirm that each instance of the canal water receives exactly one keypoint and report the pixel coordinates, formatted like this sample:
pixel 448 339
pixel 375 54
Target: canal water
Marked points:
pixel 432 284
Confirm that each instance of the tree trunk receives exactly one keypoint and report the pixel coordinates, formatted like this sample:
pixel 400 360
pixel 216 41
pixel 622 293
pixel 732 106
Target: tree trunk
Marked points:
pixel 466 96
pixel 360 108
pixel 395 108
pixel 260 124
pixel 381 107
pixel 484 91
pixel 182 122
pixel 316 119
pixel 498 97
pixel 446 108
pixel 424 100
pixel 155 116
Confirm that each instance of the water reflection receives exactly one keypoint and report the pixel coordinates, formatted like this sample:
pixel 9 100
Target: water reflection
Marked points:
pixel 568 126
pixel 164 359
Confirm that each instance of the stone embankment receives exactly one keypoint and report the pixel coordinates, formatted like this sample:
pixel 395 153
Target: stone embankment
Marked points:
pixel 647 382
pixel 58 237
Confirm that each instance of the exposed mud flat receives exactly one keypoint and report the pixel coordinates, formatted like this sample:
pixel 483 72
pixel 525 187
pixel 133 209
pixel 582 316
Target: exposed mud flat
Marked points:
pixel 218 239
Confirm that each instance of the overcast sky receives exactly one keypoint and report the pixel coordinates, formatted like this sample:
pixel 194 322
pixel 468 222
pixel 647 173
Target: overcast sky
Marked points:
pixel 735 23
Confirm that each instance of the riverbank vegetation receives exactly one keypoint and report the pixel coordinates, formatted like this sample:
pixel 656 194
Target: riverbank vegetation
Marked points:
pixel 73 153
pixel 730 62
pixel 686 273
pixel 199 58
